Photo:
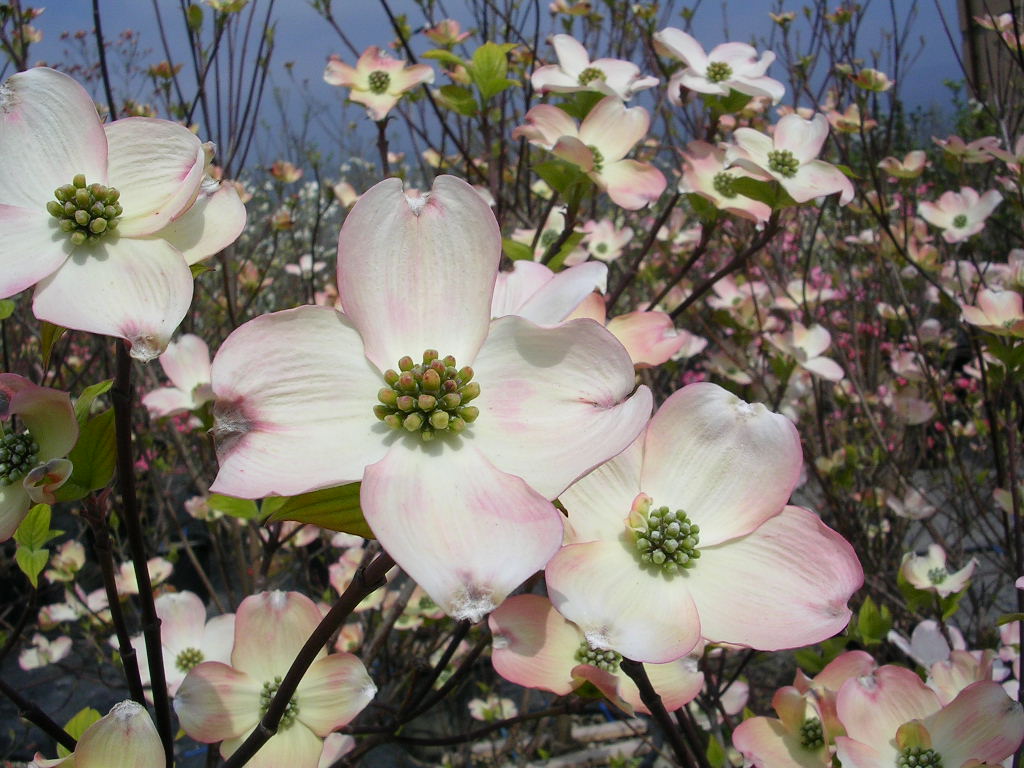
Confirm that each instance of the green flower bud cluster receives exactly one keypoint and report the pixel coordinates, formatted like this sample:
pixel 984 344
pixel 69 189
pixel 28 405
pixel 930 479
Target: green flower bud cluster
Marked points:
pixel 85 212
pixel 918 757
pixel 188 658
pixel 718 71
pixel 937 575
pixel 607 660
pixel 668 540
pixel 598 157
pixel 267 695
pixel 783 162
pixel 428 397
pixel 811 735
pixel 589 75
pixel 960 220
pixel 379 81
pixel 17 456
pixel 725 184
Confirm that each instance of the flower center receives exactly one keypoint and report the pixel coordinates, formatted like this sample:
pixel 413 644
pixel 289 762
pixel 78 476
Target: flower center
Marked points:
pixel 379 81
pixel 17 456
pixel 596 657
pixel 85 211
pixel 960 220
pixel 598 157
pixel 918 757
pixel 664 539
pixel 267 695
pixel 782 162
pixel 725 184
pixel 548 236
pixel 937 575
pixel 811 736
pixel 428 397
pixel 601 247
pixel 718 71
pixel 590 74
pixel 188 658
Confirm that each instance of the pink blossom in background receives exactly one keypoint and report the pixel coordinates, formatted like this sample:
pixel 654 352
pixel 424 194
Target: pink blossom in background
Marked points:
pixel 187 364
pixel 928 572
pixel 997 311
pixel 377 81
pixel 576 72
pixel 705 174
pixel 42 652
pixel 604 240
pixel 806 346
pixel 960 214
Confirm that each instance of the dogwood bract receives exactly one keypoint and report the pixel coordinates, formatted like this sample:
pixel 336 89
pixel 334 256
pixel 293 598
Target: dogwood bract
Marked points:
pixel 457 463
pixel 104 219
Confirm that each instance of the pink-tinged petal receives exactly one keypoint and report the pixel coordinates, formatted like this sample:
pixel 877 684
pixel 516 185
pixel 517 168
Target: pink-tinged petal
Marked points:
pixel 572 56
pixel 417 275
pixel 803 138
pixel 125 738
pixel 137 290
pixel 857 755
pixel 294 390
pixel 591 308
pixel 513 289
pixel 554 78
pixel 599 503
pixel 50 132
pixel 182 620
pixel 187 362
pixel 728 464
pixel 649 337
pixel 14 505
pixel 538 382
pixel 214 222
pixel 817 178
pixel 377 105
pixel 752 144
pixel 335 745
pixel 610 684
pixel 793 572
pixel 842 668
pixel 33 247
pixel 296 747
pixel 462 529
pixel 333 691
pixel 982 723
pixel 766 743
pixel 409 77
pixel 167 401
pixel 824 367
pixel 574 151
pixel 157 166
pixel 632 184
pixel 219 638
pixel 553 302
pixel 873 707
pixel 270 629
pixel 676 43
pixel 695 81
pixel 533 645
pixel 759 86
pixel 43 481
pixel 217 702
pixel 614 128
pixel 546 124
pixel 601 588
pixel 46 413
pixel 339 73
pixel 791 706
pixel 677 682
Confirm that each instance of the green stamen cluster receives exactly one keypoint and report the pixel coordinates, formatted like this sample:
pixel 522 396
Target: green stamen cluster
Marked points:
pixel 17 456
pixel 379 81
pixel 725 184
pixel 598 157
pixel 267 695
pixel 188 658
pixel 811 735
pixel 601 247
pixel 918 757
pixel 85 212
pixel 428 397
pixel 937 575
pixel 607 660
pixel 590 74
pixel 667 540
pixel 782 162
pixel 960 220
pixel 718 71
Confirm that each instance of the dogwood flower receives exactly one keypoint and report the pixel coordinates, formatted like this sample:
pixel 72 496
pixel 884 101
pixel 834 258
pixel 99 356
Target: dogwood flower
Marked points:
pixel 124 738
pixel 728 67
pixel 576 72
pixel 789 156
pixel 221 702
pixel 960 214
pixel 599 146
pixel 996 311
pixel 705 174
pixel 32 463
pixel 604 240
pixel 104 219
pixel 42 652
pixel 928 572
pixel 686 534
pixel 187 364
pixel 459 450
pixel 805 346
pixel 536 648
pixel 377 81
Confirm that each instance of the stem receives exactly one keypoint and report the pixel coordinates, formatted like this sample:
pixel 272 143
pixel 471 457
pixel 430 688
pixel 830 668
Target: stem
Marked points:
pixel 652 701
pixel 37 717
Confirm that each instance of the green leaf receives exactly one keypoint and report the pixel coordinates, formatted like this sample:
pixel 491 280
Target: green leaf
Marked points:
pixel 703 207
pixel 810 662
pixel 579 104
pixel 488 69
pixel 271 504
pixel 244 509
pixel 847 171
pixel 49 334
pixel 873 623
pixel 85 400
pixel 77 726
pixel 715 753
pixel 459 99
pixel 561 176
pixel 6 308
pixel 445 57
pixel 34 530
pixel 336 509
pixel 563 253
pixel 770 193
pixel 199 269
pixel 516 251
pixel 194 17
pixel 1009 618
pixel 31 562
pixel 93 458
